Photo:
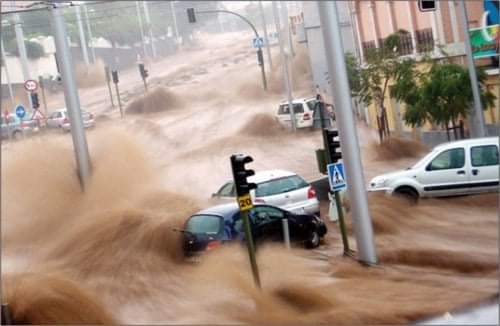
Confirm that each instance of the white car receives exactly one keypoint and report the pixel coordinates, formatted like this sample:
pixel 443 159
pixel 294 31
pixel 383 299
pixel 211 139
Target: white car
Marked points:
pixel 455 168
pixel 281 188
pixel 60 119
pixel 303 110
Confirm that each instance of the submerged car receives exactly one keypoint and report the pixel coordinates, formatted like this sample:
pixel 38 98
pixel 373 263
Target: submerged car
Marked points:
pixel 281 188
pixel 214 226
pixel 15 128
pixel 454 168
pixel 60 119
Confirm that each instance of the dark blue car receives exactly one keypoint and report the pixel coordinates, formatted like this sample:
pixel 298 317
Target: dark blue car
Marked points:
pixel 213 226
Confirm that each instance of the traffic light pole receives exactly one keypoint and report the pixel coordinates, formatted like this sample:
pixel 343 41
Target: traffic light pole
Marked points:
pixel 108 81
pixel 347 129
pixel 251 248
pixel 71 96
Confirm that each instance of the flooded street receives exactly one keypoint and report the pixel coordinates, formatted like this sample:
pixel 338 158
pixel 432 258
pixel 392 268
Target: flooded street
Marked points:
pixel 109 255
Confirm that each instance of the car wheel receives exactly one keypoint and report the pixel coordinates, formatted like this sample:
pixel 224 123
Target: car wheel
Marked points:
pixel 17 135
pixel 313 240
pixel 407 193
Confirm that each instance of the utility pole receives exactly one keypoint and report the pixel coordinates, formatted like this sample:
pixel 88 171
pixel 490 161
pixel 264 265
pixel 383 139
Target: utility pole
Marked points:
pixel 89 32
pixel 22 51
pixel 284 62
pixel 174 16
pixel 83 42
pixel 148 24
pixel 286 26
pixel 71 96
pixel 477 126
pixel 7 76
pixel 139 17
pixel 266 40
pixel 347 130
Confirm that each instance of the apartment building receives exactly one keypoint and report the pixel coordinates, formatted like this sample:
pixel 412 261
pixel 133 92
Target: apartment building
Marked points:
pixel 427 33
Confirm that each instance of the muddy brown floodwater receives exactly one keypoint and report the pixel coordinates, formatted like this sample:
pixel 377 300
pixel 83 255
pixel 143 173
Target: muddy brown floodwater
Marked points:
pixel 109 255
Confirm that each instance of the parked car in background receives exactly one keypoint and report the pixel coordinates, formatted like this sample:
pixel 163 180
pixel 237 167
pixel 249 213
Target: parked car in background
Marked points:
pixel 281 188
pixel 211 227
pixel 455 168
pixel 60 119
pixel 13 127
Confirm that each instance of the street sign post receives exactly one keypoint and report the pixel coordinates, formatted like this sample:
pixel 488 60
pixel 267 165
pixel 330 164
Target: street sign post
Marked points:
pixel 20 111
pixel 258 42
pixel 30 85
pixel 336 176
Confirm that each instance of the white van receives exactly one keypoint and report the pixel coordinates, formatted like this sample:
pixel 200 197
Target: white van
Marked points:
pixel 455 168
pixel 303 110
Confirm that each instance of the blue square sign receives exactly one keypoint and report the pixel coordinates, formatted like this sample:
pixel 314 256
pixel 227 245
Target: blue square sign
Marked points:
pixel 336 176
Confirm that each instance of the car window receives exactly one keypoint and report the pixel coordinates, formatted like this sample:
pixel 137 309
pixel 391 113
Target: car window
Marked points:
pixel 227 190
pixel 267 213
pixel 484 155
pixel 450 159
pixel 297 108
pixel 279 186
pixel 209 224
pixel 311 104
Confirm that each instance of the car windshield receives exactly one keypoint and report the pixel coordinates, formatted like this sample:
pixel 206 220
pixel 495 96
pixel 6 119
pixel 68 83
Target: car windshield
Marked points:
pixel 279 186
pixel 208 224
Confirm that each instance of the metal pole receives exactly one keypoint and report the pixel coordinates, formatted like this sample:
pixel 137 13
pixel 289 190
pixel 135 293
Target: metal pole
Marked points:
pixel 42 88
pixel 119 100
pixel 266 40
pixel 347 131
pixel 83 42
pixel 174 16
pixel 7 76
pixel 343 230
pixel 477 126
pixel 108 81
pixel 89 31
pixel 286 26
pixel 22 51
pixel 251 247
pixel 285 65
pixel 139 17
pixel 286 233
pixel 71 96
pixel 150 27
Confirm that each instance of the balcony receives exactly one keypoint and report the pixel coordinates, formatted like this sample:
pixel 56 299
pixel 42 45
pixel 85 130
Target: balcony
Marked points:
pixel 424 42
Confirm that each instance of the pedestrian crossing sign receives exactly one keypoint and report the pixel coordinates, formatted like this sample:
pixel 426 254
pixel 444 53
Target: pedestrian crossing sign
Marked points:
pixel 336 176
pixel 258 42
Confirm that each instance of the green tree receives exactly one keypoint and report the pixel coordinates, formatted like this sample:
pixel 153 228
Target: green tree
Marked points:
pixel 33 49
pixel 441 95
pixel 382 65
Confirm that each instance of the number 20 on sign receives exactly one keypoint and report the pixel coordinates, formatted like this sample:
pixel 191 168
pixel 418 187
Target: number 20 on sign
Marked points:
pixel 245 202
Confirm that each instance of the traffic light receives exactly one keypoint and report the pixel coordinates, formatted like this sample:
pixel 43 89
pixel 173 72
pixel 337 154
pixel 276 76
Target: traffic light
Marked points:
pixel 34 100
pixel 114 73
pixel 143 71
pixel 191 16
pixel 332 145
pixel 240 174
pixel 260 57
pixel 426 5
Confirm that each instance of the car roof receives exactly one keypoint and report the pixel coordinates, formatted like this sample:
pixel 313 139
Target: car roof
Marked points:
pixel 225 210
pixel 298 100
pixel 464 142
pixel 263 176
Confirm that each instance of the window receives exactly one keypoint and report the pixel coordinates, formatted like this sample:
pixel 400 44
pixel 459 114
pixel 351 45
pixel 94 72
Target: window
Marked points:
pixel 266 214
pixel 208 224
pixel 450 159
pixel 484 155
pixel 227 190
pixel 297 108
pixel 311 104
pixel 279 186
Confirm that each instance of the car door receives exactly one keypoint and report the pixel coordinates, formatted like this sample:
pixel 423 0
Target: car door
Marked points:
pixel 445 174
pixel 483 168
pixel 268 222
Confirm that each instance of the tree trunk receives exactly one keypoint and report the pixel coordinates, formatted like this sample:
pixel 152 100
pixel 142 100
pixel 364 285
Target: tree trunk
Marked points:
pixel 454 125
pixel 447 131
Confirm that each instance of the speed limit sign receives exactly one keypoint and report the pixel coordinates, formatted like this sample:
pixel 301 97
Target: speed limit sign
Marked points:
pixel 30 85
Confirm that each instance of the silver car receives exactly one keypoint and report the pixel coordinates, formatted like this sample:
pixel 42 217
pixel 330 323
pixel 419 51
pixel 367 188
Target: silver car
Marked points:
pixel 281 188
pixel 15 128
pixel 60 119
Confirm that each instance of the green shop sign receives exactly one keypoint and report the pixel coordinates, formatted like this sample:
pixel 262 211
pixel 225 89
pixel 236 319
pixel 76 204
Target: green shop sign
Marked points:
pixel 485 41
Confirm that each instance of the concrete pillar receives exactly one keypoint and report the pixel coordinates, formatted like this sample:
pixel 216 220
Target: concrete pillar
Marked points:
pixel 374 24
pixel 391 16
pixel 412 26
pixel 454 22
